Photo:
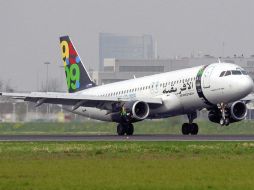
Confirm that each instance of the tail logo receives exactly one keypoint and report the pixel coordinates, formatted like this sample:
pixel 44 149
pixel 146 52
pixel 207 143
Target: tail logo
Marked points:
pixel 71 65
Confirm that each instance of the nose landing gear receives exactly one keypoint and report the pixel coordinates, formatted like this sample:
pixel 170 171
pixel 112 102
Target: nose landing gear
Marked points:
pixel 224 116
pixel 190 128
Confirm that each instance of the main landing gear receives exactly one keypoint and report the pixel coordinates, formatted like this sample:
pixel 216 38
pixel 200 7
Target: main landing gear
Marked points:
pixel 125 128
pixel 190 128
pixel 224 117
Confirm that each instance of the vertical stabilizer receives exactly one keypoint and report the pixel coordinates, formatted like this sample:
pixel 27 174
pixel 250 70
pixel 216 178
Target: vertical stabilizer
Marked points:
pixel 77 77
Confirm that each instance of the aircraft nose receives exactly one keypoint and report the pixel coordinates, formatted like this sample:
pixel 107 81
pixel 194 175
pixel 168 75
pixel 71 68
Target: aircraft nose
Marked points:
pixel 246 85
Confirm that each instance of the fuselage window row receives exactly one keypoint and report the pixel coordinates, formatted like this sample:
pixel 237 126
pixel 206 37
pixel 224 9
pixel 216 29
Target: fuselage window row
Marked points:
pixel 126 91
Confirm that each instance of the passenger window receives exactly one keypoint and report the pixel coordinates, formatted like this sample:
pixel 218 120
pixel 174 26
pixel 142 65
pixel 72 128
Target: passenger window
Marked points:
pixel 228 73
pixel 222 73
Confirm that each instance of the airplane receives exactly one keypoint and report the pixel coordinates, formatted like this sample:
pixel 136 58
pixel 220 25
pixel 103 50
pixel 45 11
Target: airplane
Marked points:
pixel 218 87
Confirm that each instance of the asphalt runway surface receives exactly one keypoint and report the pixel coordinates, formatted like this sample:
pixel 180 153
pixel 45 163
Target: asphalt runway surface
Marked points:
pixel 64 138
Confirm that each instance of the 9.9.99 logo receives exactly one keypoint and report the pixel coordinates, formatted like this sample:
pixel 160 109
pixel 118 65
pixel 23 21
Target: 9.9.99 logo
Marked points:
pixel 71 60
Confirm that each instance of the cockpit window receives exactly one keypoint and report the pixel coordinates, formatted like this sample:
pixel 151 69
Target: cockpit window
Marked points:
pixel 228 73
pixel 222 73
pixel 233 72
pixel 236 72
pixel 244 72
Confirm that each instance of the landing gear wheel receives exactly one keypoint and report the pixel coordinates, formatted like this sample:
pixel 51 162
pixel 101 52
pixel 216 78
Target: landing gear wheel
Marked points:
pixel 222 122
pixel 120 129
pixel 227 121
pixel 123 129
pixel 130 130
pixel 185 129
pixel 189 128
pixel 194 129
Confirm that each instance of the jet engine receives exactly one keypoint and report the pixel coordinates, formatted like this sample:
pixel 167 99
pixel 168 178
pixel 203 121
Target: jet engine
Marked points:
pixel 131 111
pixel 238 111
pixel 235 112
pixel 137 110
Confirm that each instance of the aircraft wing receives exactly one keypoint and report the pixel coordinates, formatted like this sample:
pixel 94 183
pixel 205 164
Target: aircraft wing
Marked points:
pixel 75 100
pixel 249 98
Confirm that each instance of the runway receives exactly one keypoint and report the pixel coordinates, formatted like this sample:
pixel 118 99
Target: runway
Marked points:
pixel 66 138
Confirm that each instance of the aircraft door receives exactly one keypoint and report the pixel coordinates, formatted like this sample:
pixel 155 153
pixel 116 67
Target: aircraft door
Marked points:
pixel 207 75
pixel 155 87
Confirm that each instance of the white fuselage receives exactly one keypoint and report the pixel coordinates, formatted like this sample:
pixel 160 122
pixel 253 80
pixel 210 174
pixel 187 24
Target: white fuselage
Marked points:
pixel 182 91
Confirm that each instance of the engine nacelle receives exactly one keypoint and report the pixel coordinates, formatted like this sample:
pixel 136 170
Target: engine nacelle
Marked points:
pixel 236 112
pixel 137 110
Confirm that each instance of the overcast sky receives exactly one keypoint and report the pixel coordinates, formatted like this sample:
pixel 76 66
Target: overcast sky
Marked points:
pixel 30 31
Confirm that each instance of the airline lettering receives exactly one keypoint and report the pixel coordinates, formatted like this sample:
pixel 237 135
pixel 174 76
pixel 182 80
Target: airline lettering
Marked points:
pixel 186 87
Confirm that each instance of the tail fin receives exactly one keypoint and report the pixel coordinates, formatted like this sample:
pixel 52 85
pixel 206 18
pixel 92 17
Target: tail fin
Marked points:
pixel 77 77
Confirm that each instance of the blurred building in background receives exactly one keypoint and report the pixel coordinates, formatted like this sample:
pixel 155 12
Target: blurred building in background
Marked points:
pixel 122 69
pixel 125 47
pixel 20 111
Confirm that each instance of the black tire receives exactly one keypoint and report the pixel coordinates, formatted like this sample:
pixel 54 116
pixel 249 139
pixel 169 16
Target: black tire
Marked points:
pixel 227 122
pixel 185 129
pixel 194 128
pixel 120 129
pixel 130 130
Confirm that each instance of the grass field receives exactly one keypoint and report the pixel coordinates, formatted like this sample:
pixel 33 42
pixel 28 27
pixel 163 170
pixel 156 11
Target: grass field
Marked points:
pixel 166 126
pixel 126 165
